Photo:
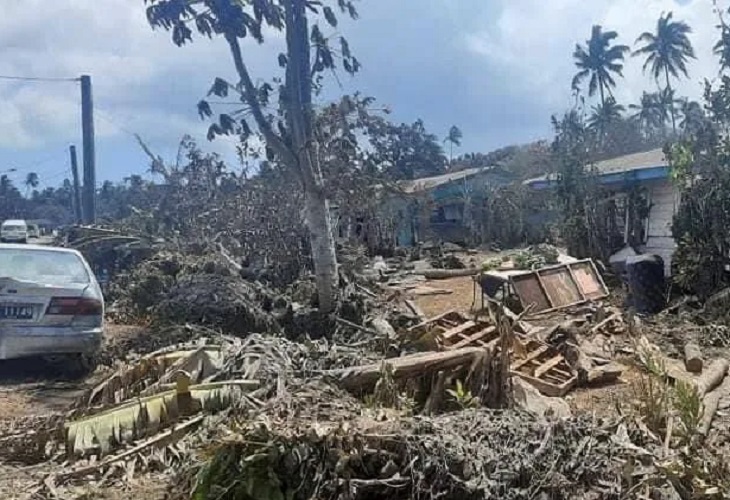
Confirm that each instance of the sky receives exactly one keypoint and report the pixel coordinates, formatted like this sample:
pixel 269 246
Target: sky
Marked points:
pixel 498 69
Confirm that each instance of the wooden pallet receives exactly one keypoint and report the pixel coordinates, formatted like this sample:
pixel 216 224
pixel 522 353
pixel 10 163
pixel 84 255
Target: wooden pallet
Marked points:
pixel 536 362
pixel 453 330
pixel 545 368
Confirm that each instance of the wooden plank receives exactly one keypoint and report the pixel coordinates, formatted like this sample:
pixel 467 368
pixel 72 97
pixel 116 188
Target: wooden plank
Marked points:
pixel 431 321
pixel 548 365
pixel 577 284
pixel 468 340
pixel 457 330
pixel 364 377
pixel 544 289
pixel 530 357
pixel 415 310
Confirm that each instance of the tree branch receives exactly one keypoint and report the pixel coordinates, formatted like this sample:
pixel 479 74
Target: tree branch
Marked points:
pixel 249 92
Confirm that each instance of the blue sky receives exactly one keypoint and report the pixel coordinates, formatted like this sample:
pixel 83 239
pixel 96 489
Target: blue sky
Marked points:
pixel 496 68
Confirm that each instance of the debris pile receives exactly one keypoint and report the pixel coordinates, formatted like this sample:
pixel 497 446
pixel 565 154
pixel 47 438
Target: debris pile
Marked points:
pixel 389 403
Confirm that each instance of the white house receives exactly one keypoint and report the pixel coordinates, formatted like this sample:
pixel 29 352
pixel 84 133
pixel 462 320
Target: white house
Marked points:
pixel 649 171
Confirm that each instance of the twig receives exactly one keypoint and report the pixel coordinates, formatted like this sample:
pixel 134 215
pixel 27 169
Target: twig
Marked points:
pixel 355 326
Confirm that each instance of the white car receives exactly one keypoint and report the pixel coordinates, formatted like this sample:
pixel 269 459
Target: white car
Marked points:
pixel 34 231
pixel 14 231
pixel 50 305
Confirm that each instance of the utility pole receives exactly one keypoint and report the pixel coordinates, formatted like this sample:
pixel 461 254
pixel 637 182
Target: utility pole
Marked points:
pixel 76 202
pixel 87 129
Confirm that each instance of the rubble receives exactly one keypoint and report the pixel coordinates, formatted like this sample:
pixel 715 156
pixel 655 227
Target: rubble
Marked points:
pixel 387 404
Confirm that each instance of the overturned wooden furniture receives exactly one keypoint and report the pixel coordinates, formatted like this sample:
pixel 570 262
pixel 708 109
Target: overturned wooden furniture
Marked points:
pixel 536 362
pixel 548 288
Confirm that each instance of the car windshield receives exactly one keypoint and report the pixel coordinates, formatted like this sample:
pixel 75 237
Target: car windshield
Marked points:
pixel 42 266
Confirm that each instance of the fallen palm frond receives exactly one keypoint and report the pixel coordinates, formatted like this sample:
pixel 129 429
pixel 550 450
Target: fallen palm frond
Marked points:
pixel 146 416
pixel 149 373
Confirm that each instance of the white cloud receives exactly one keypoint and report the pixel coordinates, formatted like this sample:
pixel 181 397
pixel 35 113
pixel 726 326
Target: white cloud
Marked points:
pixel 532 42
pixel 141 81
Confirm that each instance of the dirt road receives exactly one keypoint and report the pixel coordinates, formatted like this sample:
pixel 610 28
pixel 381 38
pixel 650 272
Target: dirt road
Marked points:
pixel 36 387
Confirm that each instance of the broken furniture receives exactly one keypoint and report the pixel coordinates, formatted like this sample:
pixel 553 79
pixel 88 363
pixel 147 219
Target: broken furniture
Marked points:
pixel 546 289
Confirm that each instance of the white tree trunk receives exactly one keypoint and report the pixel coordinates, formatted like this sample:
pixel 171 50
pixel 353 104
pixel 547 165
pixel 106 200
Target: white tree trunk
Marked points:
pixel 301 122
pixel 319 224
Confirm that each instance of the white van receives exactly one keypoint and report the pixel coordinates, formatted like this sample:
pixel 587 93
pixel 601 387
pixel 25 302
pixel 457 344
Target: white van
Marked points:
pixel 14 231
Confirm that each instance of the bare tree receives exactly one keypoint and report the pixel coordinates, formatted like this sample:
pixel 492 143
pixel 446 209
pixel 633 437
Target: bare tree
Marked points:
pixel 289 132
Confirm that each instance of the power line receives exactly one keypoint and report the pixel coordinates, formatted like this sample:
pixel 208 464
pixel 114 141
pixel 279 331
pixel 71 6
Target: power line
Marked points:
pixel 38 79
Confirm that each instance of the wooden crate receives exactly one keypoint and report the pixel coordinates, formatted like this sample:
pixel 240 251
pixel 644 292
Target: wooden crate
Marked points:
pixel 545 368
pixel 453 330
pixel 536 362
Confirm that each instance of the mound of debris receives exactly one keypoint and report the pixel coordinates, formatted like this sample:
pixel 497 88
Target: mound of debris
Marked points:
pixel 225 302
pixel 470 454
pixel 176 288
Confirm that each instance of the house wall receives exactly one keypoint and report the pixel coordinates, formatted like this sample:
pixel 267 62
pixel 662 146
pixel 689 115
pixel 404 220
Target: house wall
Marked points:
pixel 664 199
pixel 416 209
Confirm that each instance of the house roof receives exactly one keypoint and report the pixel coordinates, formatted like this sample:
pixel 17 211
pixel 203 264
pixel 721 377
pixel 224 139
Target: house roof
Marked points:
pixel 638 166
pixel 426 183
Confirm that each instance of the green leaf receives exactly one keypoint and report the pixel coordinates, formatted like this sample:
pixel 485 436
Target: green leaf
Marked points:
pixel 345 48
pixel 213 131
pixel 228 124
pixel 219 88
pixel 204 110
pixel 181 34
pixel 329 15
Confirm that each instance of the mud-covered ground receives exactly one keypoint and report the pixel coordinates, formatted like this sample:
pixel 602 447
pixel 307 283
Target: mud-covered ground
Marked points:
pixel 35 388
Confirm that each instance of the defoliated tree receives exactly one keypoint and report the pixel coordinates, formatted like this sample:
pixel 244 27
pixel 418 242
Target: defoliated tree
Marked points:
pixel 288 130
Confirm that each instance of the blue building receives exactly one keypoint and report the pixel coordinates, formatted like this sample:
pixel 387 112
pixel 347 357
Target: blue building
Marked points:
pixel 445 207
pixel 648 171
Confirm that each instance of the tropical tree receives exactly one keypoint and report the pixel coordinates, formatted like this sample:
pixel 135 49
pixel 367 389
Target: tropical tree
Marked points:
pixel 599 61
pixel 693 117
pixel 603 116
pixel 667 52
pixel 650 113
pixel 454 139
pixel 31 182
pixel 722 47
pixel 287 131
pixel 405 151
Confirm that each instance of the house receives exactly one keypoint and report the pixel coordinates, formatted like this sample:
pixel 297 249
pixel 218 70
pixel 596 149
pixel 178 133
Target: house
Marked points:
pixel 443 207
pixel 648 173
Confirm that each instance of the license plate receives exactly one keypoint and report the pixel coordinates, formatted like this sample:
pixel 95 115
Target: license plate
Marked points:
pixel 16 311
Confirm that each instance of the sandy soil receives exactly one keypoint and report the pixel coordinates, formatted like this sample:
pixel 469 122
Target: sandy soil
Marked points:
pixel 461 298
pixel 33 387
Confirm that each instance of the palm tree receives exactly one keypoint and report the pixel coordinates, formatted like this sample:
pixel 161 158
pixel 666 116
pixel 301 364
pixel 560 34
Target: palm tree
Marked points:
pixel 454 139
pixel 649 113
pixel 599 61
pixel 722 47
pixel 604 115
pixel 31 182
pixel 667 51
pixel 693 116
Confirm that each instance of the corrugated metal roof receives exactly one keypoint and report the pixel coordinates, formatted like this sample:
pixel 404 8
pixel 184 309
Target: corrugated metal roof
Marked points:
pixel 637 161
pixel 426 183
pixel 628 163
